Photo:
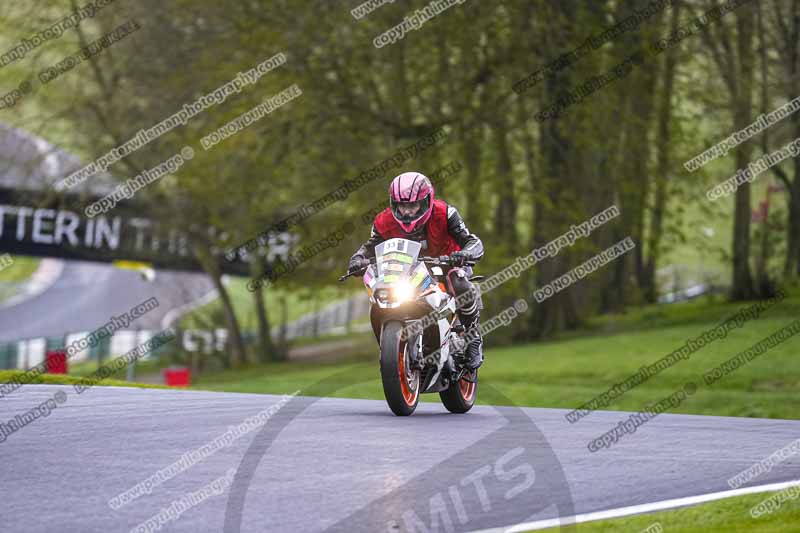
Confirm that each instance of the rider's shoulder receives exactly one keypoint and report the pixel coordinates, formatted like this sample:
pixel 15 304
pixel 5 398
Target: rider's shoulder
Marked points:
pixel 452 211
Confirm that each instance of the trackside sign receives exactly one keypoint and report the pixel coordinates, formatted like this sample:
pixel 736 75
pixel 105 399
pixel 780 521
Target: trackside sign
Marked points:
pixel 54 225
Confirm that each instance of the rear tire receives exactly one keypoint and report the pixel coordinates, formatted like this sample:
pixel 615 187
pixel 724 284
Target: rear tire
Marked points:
pixel 460 395
pixel 400 384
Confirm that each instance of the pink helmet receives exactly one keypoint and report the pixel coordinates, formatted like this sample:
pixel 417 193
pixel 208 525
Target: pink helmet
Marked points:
pixel 411 200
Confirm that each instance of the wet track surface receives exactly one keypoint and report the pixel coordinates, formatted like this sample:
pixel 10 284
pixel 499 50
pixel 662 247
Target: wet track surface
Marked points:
pixel 338 464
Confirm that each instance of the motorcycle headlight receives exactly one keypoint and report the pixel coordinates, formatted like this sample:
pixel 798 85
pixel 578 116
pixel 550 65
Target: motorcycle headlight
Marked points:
pixel 402 291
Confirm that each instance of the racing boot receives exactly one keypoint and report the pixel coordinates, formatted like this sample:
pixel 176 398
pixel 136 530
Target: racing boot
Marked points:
pixel 474 350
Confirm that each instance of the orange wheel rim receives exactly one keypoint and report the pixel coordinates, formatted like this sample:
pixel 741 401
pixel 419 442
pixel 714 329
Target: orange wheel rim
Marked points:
pixel 467 388
pixel 410 392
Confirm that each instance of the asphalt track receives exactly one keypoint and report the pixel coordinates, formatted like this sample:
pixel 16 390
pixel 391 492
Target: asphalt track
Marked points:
pixel 349 465
pixel 87 294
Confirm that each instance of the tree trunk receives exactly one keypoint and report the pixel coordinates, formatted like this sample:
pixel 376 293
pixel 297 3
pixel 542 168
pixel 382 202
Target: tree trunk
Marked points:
pixel 792 267
pixel 237 354
pixel 506 211
pixel 266 350
pixel 648 284
pixel 742 288
pixel 283 343
pixel 788 51
pixel 472 163
pixel 641 85
pixel 562 195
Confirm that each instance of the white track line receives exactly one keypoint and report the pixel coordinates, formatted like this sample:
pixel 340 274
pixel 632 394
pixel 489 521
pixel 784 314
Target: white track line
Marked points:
pixel 174 314
pixel 44 277
pixel 643 508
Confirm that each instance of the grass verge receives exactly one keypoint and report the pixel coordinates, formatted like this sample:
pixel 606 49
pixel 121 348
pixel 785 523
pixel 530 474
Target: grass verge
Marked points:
pixel 731 515
pixel 566 373
pixel 20 270
pixel 65 379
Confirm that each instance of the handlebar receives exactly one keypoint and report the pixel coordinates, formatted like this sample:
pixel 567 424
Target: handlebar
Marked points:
pixel 358 272
pixel 436 261
pixel 351 274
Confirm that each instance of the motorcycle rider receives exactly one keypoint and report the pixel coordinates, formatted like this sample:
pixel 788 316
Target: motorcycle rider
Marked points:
pixel 414 214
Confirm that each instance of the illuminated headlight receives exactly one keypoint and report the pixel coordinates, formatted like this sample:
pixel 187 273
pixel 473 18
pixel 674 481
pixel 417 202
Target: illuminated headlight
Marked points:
pixel 402 291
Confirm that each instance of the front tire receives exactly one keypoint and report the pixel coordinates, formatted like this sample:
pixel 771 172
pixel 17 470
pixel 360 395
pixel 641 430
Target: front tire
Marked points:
pixel 400 383
pixel 459 397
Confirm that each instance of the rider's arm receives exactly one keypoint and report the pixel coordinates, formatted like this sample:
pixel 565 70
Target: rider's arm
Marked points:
pixel 469 242
pixel 367 250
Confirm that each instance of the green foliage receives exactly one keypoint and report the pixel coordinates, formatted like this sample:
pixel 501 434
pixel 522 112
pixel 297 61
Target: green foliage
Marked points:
pixel 20 270
pixel 524 181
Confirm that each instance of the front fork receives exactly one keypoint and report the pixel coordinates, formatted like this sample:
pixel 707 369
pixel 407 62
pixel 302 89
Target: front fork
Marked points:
pixel 414 347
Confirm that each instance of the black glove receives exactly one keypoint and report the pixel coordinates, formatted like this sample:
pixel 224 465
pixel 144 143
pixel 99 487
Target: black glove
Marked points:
pixel 459 258
pixel 357 263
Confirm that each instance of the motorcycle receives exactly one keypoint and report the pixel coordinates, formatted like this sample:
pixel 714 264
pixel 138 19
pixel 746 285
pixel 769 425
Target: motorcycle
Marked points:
pixel 413 317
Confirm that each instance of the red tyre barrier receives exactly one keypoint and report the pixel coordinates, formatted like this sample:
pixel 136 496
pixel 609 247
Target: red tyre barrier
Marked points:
pixel 177 376
pixel 56 362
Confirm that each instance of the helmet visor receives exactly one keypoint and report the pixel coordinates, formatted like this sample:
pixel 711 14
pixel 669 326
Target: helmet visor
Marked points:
pixel 408 212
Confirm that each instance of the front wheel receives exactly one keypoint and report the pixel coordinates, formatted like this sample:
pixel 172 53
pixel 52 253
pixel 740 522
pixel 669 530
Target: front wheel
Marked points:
pixel 459 397
pixel 400 382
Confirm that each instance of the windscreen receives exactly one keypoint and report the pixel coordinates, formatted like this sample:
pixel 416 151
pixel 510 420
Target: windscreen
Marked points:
pixel 395 259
